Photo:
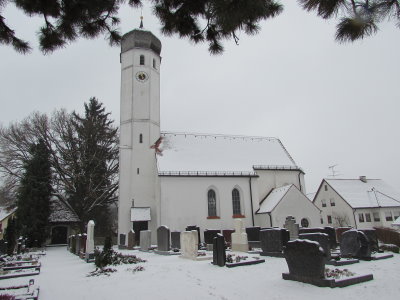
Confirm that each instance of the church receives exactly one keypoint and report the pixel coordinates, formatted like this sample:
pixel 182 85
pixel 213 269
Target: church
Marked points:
pixel 179 179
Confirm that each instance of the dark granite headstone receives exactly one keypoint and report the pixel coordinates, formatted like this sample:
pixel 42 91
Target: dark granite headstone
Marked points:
pixel 209 235
pixel 253 233
pixel 163 238
pixel 131 239
pixel 219 255
pixel 273 240
pixel 194 227
pixel 321 238
pixel 227 233
pixel 330 231
pixel 78 244
pixel 83 244
pixel 176 240
pixel 355 244
pixel 73 244
pixel 122 240
pixel 305 259
pixel 372 239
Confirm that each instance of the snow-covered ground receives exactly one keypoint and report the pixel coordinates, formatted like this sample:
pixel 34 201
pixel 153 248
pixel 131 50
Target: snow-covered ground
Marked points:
pixel 63 276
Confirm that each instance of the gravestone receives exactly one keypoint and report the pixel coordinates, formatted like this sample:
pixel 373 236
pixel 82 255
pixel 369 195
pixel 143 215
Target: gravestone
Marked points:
pixel 227 233
pixel 372 239
pixel 253 233
pixel 195 227
pixel 209 235
pixel 83 245
pixel 219 255
pixel 189 244
pixel 131 239
pixel 239 237
pixel 355 244
pixel 321 238
pixel 145 240
pixel 273 240
pixel 122 241
pixel 290 224
pixel 340 231
pixel 176 240
pixel 73 244
pixel 330 231
pixel 163 238
pixel 78 244
pixel 305 259
pixel 89 255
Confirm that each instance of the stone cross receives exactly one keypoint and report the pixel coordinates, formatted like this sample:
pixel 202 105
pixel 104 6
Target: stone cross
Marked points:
pixel 239 237
pixel 189 244
pixel 90 241
pixel 131 239
pixel 163 238
pixel 290 224
pixel 145 240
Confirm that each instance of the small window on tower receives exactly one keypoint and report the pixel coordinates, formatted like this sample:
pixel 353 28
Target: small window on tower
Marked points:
pixel 142 60
pixel 141 138
pixel 154 64
pixel 137 170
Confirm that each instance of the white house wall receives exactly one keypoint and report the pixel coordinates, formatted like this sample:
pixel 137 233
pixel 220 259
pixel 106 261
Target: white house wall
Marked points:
pixel 295 204
pixel 184 201
pixel 270 179
pixel 341 213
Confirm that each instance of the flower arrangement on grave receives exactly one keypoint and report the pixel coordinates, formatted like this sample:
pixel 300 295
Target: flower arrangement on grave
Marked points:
pixel 337 273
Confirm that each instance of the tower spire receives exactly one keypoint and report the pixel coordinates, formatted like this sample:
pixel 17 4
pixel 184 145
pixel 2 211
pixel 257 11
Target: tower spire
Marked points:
pixel 141 20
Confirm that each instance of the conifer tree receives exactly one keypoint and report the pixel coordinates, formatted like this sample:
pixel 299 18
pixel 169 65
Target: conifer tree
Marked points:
pixel 33 198
pixel 93 164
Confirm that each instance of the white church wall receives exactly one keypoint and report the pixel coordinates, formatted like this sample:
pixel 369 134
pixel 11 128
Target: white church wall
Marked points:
pixel 295 204
pixel 184 201
pixel 270 179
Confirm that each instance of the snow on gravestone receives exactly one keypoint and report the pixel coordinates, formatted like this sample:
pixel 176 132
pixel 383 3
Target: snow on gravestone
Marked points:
pixel 189 244
pixel 90 241
pixel 239 237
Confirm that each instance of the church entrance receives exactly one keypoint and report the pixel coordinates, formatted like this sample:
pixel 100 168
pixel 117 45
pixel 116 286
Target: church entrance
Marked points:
pixel 59 235
pixel 138 226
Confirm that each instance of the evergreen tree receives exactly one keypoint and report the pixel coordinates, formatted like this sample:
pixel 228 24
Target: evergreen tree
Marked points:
pixel 33 198
pixel 10 236
pixel 94 166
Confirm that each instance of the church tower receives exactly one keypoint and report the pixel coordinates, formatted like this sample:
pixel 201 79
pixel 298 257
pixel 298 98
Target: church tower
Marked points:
pixel 139 189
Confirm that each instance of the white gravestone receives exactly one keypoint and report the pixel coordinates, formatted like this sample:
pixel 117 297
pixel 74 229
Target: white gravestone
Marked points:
pixel 189 244
pixel 239 237
pixel 145 240
pixel 90 241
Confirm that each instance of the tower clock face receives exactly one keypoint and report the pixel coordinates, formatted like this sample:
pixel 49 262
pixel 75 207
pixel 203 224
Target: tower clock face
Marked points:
pixel 141 76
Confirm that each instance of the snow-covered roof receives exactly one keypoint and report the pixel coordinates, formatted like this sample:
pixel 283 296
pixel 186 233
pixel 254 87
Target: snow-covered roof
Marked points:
pixel 5 212
pixel 188 153
pixel 372 193
pixel 61 213
pixel 273 198
pixel 396 222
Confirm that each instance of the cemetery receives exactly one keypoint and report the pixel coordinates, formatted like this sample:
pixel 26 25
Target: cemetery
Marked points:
pixel 289 254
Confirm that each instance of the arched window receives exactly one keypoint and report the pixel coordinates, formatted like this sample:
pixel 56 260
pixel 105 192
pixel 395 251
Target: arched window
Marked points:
pixel 142 60
pixel 236 202
pixel 212 203
pixel 141 138
pixel 304 222
pixel 154 64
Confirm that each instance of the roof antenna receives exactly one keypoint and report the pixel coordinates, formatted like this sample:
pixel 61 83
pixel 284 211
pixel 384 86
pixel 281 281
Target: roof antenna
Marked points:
pixel 334 172
pixel 141 19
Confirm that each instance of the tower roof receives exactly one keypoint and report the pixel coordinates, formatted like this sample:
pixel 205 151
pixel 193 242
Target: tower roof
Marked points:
pixel 139 38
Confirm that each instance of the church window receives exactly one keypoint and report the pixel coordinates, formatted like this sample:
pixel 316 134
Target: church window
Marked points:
pixel 236 202
pixel 141 138
pixel 137 171
pixel 142 60
pixel 304 222
pixel 212 203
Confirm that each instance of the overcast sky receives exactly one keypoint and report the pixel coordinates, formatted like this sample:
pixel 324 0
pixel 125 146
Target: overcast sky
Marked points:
pixel 328 103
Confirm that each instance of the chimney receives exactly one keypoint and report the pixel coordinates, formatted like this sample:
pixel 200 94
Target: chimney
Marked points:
pixel 363 179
